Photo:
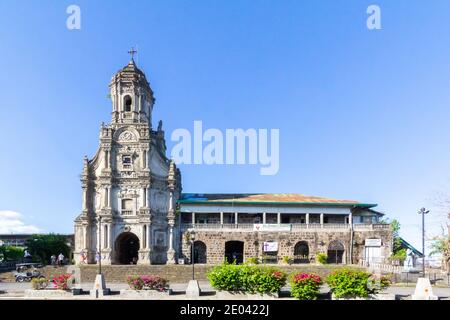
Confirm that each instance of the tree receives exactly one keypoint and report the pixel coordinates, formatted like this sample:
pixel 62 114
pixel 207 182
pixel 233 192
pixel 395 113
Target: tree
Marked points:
pixel 11 253
pixel 395 227
pixel 441 245
pixel 42 247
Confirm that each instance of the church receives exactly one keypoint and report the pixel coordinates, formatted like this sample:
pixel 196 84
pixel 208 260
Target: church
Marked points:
pixel 133 211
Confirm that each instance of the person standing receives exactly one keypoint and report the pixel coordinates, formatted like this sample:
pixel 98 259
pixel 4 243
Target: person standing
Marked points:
pixel 60 259
pixel 53 260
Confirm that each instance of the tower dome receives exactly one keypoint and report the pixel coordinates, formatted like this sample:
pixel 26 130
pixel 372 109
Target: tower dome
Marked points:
pixel 131 95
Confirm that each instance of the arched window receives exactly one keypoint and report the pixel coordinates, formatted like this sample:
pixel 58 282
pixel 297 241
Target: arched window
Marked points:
pixel 127 103
pixel 301 252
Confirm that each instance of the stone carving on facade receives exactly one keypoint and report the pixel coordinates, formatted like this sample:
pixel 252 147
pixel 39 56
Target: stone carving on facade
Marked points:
pixel 127 136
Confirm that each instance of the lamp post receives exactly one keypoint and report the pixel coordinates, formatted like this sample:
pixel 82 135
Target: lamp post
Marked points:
pixel 423 212
pixel 192 237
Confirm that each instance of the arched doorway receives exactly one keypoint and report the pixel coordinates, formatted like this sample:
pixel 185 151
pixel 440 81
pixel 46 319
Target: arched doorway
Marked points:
pixel 199 252
pixel 127 247
pixel 301 252
pixel 335 252
pixel 234 251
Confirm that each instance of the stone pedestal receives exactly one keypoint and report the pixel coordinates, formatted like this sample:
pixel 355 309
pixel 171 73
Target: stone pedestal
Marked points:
pixel 171 256
pixel 193 289
pixel 144 257
pixel 423 290
pixel 99 289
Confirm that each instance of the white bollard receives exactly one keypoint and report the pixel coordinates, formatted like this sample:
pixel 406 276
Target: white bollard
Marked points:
pixel 423 291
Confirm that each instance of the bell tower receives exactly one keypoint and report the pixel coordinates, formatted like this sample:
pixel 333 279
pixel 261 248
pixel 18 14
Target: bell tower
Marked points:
pixel 131 95
pixel 130 187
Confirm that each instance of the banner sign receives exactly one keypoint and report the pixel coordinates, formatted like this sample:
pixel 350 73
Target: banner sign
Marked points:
pixel 270 246
pixel 286 227
pixel 372 243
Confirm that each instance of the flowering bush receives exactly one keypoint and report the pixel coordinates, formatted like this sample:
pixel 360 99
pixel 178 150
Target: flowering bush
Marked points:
pixel 246 278
pixel 61 281
pixel 305 286
pixel 353 283
pixel 147 282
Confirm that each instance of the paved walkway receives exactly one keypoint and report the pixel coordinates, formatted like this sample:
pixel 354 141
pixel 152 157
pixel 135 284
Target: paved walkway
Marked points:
pixel 17 290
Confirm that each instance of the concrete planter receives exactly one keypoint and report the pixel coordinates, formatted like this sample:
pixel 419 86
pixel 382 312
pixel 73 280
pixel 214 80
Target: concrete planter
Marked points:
pixel 229 295
pixel 378 296
pixel 144 294
pixel 49 293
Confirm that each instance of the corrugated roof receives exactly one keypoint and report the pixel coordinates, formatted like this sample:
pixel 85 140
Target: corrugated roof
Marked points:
pixel 266 198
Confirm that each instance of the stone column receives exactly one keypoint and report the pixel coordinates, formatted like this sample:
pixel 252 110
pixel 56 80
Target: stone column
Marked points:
pixel 307 218
pixel 321 220
pixel 85 237
pixel 148 237
pixel 98 237
pixel 106 159
pixel 109 197
pixel 221 218
pixel 193 219
pixel 143 240
pixel 84 198
pixel 236 215
pixel 170 237
pixel 110 238
pixel 106 200
pixel 144 197
pixel 279 217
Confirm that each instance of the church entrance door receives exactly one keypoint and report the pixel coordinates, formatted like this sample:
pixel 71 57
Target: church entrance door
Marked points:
pixel 127 246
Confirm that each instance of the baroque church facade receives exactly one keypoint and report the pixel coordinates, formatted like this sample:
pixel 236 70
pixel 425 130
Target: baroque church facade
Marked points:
pixel 133 211
pixel 130 187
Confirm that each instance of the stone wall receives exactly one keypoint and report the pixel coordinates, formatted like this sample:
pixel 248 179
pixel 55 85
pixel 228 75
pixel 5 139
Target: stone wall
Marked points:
pixel 318 242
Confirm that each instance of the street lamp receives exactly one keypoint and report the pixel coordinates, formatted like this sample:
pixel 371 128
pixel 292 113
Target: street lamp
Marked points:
pixel 192 237
pixel 423 212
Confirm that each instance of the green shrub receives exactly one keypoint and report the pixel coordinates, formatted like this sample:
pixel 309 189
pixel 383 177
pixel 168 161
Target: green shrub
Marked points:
pixel 305 286
pixel 354 283
pixel 246 278
pixel 321 258
pixel 286 260
pixel 252 260
pixel 39 283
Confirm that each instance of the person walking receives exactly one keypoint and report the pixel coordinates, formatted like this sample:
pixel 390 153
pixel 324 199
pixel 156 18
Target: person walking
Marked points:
pixel 60 259
pixel 53 260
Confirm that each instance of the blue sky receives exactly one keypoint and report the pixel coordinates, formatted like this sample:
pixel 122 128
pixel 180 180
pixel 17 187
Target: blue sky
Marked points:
pixel 362 114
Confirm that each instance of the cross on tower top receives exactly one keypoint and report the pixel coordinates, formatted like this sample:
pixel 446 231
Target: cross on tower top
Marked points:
pixel 132 52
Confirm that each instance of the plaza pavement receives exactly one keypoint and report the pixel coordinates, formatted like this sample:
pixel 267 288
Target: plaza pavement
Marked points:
pixel 14 290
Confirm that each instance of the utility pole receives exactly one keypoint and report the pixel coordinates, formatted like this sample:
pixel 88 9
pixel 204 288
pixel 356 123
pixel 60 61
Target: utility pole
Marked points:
pixel 423 212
